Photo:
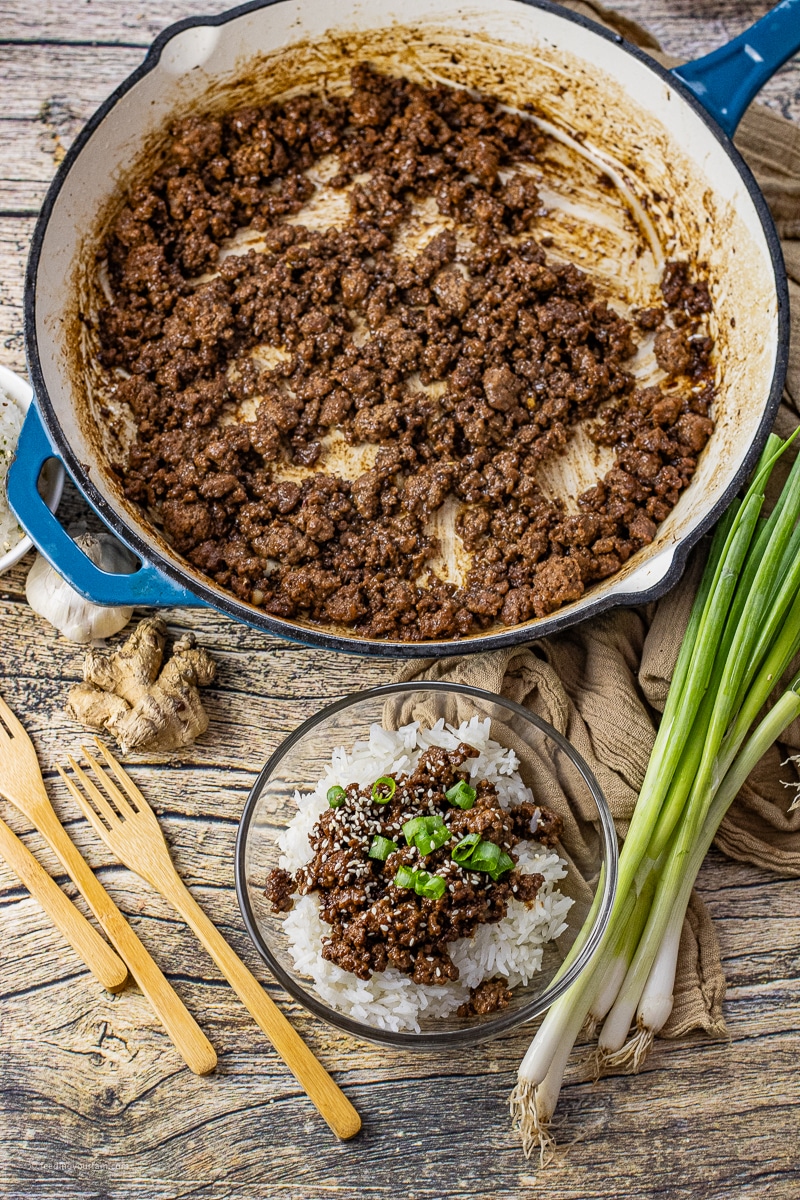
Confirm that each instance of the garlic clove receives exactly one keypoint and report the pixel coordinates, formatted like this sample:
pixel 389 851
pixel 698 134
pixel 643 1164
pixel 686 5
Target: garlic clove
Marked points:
pixel 77 618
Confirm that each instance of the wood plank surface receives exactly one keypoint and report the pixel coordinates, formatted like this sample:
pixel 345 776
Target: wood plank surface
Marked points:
pixel 94 1102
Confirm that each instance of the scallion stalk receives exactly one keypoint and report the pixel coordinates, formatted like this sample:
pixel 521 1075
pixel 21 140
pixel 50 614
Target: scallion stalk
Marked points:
pixel 648 987
pixel 743 632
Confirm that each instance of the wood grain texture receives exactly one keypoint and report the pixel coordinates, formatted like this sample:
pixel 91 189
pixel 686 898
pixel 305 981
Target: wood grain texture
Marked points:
pixel 81 934
pixel 94 1102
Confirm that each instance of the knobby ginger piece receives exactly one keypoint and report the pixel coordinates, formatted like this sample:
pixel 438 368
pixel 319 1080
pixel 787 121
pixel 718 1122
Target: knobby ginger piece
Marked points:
pixel 139 701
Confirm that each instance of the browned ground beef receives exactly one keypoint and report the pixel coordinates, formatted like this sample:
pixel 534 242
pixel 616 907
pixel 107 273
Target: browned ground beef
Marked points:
pixel 487 997
pixel 279 889
pixel 522 346
pixel 374 924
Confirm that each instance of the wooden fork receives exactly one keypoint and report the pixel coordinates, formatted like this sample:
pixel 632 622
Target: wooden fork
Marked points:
pixel 21 782
pixel 129 828
pixel 101 960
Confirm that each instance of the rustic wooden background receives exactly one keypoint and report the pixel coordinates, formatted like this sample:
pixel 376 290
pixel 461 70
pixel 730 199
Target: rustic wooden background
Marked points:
pixel 93 1100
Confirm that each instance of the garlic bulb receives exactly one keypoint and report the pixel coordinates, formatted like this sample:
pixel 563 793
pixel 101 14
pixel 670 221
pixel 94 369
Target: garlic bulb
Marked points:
pixel 78 619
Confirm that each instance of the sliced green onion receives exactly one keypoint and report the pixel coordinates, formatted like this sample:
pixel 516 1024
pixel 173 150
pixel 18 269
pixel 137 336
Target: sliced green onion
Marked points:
pixel 432 839
pixel 426 828
pixel 475 854
pixel 336 796
pixel 405 877
pixel 432 887
pixel 485 857
pixel 381 848
pixel 504 863
pixel 426 833
pixel 463 851
pixel 383 789
pixel 413 827
pixel 461 794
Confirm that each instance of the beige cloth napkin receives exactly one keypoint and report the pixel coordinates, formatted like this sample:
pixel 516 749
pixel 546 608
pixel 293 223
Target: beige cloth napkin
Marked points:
pixel 602 683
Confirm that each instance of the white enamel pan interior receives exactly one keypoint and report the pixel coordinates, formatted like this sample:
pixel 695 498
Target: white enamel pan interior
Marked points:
pixel 701 197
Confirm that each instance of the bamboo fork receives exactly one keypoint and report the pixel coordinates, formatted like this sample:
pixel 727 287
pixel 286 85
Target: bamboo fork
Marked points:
pixel 101 960
pixel 21 782
pixel 129 828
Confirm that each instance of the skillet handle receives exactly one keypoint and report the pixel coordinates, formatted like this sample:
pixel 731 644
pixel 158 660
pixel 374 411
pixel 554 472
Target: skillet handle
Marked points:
pixel 726 80
pixel 147 586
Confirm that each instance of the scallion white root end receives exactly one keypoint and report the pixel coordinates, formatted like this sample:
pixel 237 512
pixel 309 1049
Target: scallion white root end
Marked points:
pixel 791 783
pixel 532 1120
pixel 630 1057
pixel 589 1029
pixel 618 1023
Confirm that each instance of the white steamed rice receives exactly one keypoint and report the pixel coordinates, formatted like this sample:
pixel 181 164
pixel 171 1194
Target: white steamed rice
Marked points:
pixel 511 948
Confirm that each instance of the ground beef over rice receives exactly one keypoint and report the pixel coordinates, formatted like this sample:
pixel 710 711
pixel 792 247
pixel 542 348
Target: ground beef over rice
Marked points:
pixel 467 365
pixel 374 921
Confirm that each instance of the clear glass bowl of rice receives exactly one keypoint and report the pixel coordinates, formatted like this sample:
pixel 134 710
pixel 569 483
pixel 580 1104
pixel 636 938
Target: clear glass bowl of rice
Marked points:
pixel 535 951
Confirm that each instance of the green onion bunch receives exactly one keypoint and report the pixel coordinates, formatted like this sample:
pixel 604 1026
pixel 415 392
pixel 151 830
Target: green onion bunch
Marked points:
pixel 743 633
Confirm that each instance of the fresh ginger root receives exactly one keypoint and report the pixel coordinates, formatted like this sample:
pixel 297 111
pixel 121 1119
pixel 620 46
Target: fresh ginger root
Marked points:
pixel 137 700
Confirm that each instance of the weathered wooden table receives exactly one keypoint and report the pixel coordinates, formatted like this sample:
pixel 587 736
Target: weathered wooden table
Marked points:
pixel 94 1101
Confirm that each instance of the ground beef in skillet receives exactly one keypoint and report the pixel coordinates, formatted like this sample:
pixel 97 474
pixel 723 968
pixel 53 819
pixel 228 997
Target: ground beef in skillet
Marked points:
pixel 374 923
pixel 468 364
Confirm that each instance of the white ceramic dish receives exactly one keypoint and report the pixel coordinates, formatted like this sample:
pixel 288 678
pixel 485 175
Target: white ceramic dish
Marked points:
pixel 20 391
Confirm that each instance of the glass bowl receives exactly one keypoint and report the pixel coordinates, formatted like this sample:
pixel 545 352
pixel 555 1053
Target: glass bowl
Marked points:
pixel 554 771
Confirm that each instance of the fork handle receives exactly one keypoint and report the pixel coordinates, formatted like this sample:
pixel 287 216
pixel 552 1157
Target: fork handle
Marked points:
pixel 186 1035
pixel 98 956
pixel 321 1089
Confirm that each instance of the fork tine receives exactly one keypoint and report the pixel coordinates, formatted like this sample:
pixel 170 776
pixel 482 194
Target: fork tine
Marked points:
pixel 11 721
pixel 122 776
pixel 101 804
pixel 111 789
pixel 82 803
